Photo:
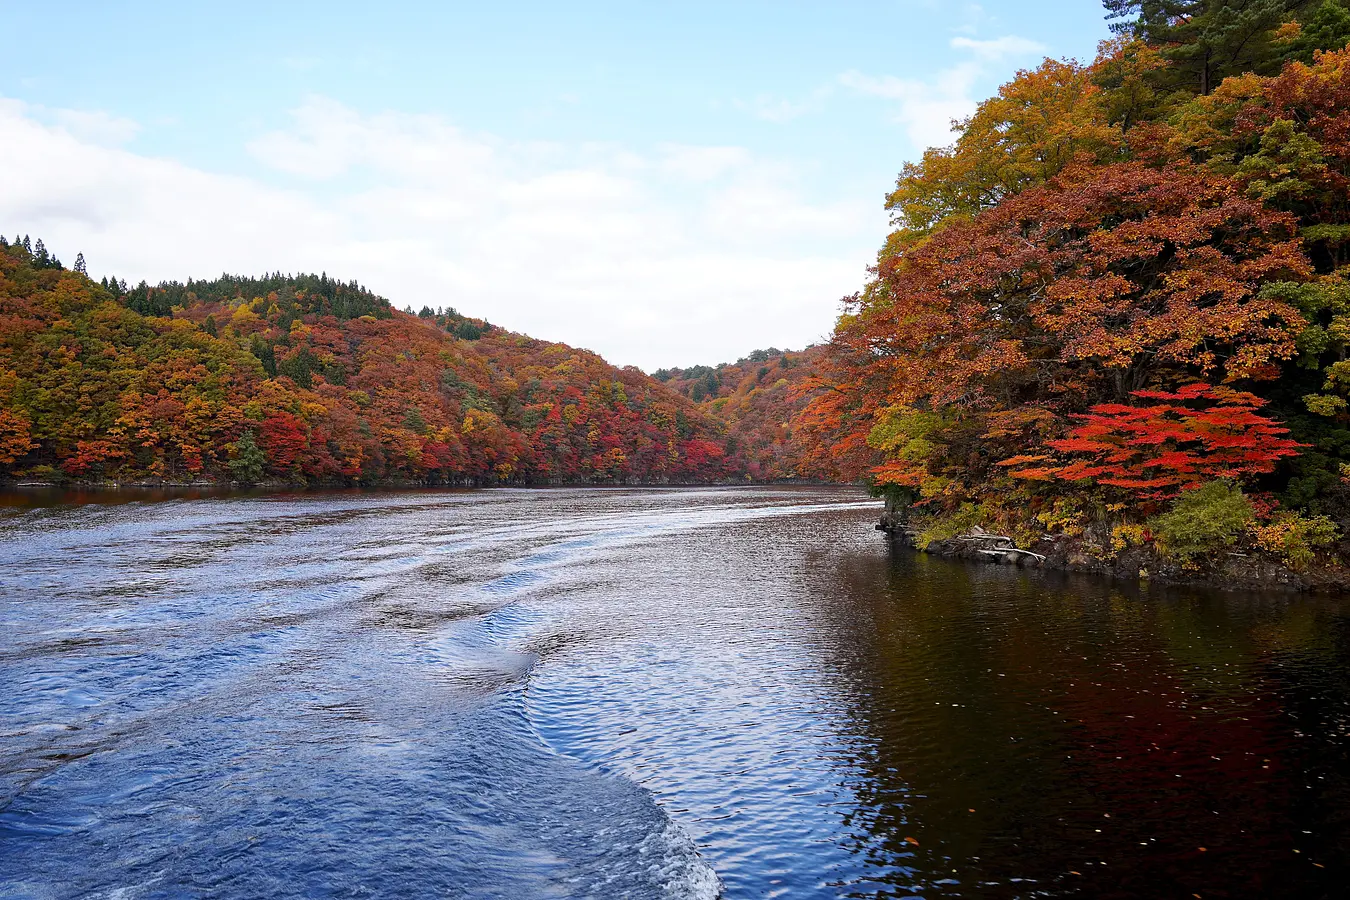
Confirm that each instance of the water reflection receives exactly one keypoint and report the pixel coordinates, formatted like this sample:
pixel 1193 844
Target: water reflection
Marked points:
pixel 1034 734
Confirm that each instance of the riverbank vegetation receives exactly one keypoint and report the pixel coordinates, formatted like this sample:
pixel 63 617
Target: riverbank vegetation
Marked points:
pixel 1115 312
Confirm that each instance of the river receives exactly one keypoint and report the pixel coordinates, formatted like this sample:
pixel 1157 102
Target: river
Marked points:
pixel 735 692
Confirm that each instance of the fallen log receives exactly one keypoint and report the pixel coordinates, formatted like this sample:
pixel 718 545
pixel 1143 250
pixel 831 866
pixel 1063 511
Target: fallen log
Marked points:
pixel 1004 550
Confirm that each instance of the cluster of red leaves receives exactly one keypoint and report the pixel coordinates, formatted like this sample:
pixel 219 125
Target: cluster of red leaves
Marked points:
pixel 1158 450
pixel 1105 280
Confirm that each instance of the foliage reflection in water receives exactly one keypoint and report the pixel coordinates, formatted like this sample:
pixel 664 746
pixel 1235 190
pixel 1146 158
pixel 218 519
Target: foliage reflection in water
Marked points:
pixel 620 693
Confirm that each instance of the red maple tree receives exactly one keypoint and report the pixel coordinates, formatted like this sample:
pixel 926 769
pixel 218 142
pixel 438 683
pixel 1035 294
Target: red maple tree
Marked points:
pixel 1159 450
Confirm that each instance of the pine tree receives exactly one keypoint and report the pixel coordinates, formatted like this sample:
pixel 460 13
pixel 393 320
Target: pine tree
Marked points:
pixel 1205 40
pixel 1326 28
pixel 711 384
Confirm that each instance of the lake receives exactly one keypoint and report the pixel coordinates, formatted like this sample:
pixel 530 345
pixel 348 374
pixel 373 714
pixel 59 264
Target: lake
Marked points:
pixel 736 692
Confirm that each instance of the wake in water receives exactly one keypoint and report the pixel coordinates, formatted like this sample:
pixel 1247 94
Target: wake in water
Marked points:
pixel 310 696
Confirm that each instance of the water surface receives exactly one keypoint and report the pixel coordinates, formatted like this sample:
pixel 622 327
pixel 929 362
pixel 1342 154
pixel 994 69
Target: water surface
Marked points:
pixel 624 693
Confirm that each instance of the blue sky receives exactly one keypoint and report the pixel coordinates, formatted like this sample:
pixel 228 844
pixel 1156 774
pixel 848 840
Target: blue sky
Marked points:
pixel 667 184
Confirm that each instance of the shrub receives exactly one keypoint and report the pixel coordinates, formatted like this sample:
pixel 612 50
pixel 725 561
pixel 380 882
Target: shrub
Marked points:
pixel 1296 537
pixel 45 473
pixel 1125 536
pixel 949 526
pixel 1202 521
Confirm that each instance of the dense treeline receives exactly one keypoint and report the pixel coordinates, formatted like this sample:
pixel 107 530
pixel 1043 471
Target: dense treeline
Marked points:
pixel 307 379
pixel 296 295
pixel 1116 310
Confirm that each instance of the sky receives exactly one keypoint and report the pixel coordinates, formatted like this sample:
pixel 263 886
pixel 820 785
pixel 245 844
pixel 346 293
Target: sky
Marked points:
pixel 667 184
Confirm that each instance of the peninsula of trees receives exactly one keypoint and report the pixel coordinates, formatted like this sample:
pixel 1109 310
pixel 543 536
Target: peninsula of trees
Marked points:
pixel 1114 314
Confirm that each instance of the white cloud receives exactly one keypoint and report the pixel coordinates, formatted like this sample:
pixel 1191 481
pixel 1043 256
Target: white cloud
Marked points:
pixel 96 127
pixel 974 18
pixel 998 48
pixel 679 255
pixel 778 109
pixel 928 107
pixel 925 108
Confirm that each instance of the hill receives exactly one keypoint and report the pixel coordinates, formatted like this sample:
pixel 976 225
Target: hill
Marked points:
pixel 304 379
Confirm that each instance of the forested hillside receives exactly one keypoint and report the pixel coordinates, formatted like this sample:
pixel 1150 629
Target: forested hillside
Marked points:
pixel 760 400
pixel 1116 311
pixel 310 380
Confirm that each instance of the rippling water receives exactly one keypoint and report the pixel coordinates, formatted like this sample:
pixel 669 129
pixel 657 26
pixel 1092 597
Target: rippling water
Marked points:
pixel 622 693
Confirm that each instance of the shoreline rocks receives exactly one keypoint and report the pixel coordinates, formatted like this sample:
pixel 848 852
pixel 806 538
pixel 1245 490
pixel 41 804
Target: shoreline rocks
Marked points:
pixel 1237 572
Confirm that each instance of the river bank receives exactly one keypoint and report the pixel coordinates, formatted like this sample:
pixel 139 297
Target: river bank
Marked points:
pixel 1237 571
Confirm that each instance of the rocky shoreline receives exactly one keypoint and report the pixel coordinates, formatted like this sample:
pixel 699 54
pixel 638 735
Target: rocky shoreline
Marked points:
pixel 1237 572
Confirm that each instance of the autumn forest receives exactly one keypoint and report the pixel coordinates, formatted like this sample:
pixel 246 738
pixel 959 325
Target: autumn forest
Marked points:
pixel 1114 312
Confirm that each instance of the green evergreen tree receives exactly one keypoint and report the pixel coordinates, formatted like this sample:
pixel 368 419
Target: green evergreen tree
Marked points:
pixel 1206 40
pixel 300 367
pixel 249 460
pixel 265 353
pixel 42 259
pixel 1326 27
pixel 711 384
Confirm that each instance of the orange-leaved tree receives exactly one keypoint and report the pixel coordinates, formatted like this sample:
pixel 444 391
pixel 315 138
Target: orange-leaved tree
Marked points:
pixel 1109 279
pixel 1089 287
